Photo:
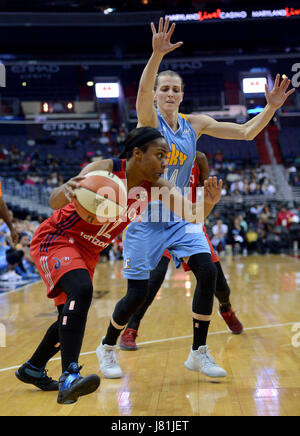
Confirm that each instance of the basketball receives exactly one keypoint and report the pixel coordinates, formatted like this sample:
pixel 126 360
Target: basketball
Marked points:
pixel 101 197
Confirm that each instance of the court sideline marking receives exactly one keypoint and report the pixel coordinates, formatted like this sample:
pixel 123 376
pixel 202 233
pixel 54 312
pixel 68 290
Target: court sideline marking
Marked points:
pixel 156 341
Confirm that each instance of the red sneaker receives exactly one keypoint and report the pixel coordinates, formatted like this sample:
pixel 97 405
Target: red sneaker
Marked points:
pixel 128 340
pixel 233 324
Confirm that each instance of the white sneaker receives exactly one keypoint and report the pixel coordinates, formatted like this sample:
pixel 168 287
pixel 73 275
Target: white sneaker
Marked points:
pixel 108 361
pixel 201 360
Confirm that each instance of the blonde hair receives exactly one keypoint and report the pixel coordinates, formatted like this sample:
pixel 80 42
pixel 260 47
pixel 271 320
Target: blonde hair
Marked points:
pixel 168 73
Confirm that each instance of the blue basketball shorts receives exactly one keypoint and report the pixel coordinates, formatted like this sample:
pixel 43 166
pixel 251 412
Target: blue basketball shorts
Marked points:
pixel 145 242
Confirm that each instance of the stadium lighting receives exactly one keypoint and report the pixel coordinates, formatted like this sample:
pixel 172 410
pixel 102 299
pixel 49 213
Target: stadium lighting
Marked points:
pixel 108 11
pixel 45 107
pixel 254 85
pixel 107 90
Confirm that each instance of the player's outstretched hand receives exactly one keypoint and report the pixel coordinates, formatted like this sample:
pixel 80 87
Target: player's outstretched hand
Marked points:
pixel 161 43
pixel 212 190
pixel 279 93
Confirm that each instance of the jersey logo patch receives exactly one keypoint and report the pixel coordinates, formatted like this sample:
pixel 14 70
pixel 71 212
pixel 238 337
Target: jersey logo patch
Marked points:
pixel 175 157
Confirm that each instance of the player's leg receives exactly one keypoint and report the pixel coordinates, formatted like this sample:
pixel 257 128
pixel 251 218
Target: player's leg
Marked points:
pixel 190 241
pixel 205 273
pixel 157 277
pixel 77 285
pixel 124 309
pixel 33 371
pixel 225 309
pixel 138 243
pixel 223 295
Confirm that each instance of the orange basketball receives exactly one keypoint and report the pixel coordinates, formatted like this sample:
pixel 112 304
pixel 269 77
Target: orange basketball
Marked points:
pixel 101 197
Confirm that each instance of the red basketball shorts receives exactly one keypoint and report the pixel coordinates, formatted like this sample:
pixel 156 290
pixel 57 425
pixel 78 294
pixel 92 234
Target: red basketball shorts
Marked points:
pixel 57 261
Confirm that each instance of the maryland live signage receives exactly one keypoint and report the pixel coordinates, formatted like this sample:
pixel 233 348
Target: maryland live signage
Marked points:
pixel 219 14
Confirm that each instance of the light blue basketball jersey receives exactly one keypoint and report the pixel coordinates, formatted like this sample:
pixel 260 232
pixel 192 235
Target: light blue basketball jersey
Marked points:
pixel 180 160
pixel 146 240
pixel 182 146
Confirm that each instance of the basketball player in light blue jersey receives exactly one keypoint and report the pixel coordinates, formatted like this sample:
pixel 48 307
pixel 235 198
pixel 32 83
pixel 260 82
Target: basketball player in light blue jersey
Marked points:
pixel 158 101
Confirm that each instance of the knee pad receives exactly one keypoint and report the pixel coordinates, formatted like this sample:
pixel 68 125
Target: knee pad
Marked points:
pixel 76 308
pixel 205 272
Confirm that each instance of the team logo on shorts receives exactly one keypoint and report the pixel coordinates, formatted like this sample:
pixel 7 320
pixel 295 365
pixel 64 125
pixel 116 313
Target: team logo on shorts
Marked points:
pixel 62 262
pixel 126 264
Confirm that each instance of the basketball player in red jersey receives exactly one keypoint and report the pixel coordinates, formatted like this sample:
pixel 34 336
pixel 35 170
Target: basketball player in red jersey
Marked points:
pixel 200 172
pixel 66 250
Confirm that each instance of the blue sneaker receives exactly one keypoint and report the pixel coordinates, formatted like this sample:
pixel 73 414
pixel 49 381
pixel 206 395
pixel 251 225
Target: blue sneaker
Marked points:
pixel 28 373
pixel 72 385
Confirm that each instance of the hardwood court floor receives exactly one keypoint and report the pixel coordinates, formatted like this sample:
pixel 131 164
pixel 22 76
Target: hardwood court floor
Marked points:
pixel 263 364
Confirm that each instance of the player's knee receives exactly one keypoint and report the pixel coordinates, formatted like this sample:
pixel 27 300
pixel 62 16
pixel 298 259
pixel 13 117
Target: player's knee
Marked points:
pixel 136 293
pixel 204 269
pixel 80 299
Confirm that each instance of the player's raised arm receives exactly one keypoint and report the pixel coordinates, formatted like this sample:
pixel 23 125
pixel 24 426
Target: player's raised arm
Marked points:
pixel 161 45
pixel 204 124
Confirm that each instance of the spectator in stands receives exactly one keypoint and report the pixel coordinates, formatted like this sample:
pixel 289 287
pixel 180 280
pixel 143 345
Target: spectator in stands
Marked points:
pixel 31 179
pixel 255 188
pixel 117 248
pixel 237 237
pixel 218 159
pixel 218 240
pixel 104 139
pixel 26 165
pixel 255 211
pixel 252 240
pixel 296 214
pixel 52 180
pixel 8 235
pixel 284 217
pixel 4 154
pixel 225 189
pixel 245 187
pixel 26 267
pixel 261 174
pixel 31 141
pixel 296 181
pixel 243 223
pixel 7 217
pixel 273 242
pixel 267 188
pixel 234 188
pixel 29 226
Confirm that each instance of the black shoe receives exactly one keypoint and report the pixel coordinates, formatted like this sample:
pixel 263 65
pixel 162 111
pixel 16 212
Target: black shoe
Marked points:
pixel 72 385
pixel 37 377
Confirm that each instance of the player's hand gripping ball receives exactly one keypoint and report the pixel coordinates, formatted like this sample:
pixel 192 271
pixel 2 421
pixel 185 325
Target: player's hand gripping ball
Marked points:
pixel 100 198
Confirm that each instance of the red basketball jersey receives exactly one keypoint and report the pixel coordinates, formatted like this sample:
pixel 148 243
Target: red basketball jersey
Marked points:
pixel 65 241
pixel 194 181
